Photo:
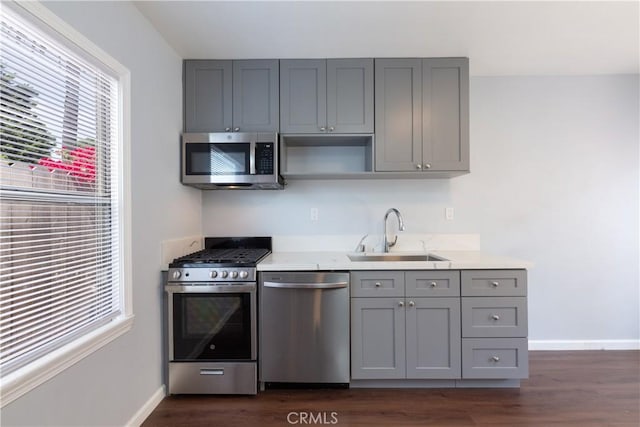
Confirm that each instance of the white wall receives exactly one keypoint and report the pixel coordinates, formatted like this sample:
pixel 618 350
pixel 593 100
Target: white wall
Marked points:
pixel 110 386
pixel 555 180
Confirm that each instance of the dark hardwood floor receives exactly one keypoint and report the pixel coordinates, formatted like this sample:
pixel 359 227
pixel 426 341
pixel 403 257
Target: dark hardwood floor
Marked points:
pixel 568 388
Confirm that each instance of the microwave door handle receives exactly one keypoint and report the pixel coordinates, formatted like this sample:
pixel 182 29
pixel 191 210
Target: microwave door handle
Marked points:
pixel 252 158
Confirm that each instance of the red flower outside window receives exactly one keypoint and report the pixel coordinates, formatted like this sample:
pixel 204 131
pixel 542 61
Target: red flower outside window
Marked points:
pixel 79 163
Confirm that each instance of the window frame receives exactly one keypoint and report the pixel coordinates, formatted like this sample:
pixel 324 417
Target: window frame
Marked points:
pixel 30 376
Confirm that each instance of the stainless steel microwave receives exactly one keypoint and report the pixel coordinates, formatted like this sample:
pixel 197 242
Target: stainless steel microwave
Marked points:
pixel 233 160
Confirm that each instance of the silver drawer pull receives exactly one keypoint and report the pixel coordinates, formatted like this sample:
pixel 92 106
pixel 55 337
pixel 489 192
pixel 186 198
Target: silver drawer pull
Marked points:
pixel 378 284
pixel 495 284
pixel 211 371
pixel 495 359
pixel 495 317
pixel 412 304
pixel 401 304
pixel 433 284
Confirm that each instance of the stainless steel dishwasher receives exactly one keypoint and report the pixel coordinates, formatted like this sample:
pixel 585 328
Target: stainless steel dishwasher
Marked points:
pixel 304 328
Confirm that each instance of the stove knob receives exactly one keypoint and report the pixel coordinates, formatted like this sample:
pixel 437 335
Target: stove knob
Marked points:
pixel 244 274
pixel 224 274
pixel 213 274
pixel 177 274
pixel 234 274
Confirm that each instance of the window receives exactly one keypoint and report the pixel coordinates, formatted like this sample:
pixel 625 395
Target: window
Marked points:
pixel 62 245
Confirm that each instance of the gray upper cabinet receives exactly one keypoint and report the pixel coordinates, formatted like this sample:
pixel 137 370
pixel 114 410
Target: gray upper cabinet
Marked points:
pixel 226 96
pixel 256 96
pixel 398 114
pixel 422 114
pixel 326 96
pixel 207 96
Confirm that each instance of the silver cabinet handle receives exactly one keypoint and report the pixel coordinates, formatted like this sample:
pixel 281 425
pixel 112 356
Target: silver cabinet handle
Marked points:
pixel 211 371
pixel 331 129
pixel 293 285
pixel 495 359
pixel 236 129
pixel 401 303
pixel 495 317
pixel 378 284
pixel 412 304
pixel 433 284
pixel 322 128
pixel 427 165
pixel 227 129
pixel 495 284
pixel 418 166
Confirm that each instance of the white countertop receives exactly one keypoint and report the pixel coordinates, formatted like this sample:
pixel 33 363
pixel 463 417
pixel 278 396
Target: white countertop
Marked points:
pixel 457 260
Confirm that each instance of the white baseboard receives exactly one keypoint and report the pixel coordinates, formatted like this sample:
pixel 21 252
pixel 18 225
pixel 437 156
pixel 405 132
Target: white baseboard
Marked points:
pixel 584 344
pixel 147 408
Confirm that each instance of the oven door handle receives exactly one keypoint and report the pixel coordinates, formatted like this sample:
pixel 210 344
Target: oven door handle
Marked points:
pixel 208 288
pixel 294 285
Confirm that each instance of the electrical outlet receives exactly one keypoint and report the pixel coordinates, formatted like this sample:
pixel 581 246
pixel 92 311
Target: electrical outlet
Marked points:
pixel 313 214
pixel 448 214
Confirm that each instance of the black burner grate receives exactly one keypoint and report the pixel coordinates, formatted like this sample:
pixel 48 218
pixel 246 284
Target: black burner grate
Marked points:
pixel 221 257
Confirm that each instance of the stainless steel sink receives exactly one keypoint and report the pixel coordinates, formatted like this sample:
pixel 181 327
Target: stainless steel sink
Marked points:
pixel 395 257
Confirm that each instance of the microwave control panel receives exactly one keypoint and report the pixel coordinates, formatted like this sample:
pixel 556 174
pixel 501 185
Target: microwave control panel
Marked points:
pixel 264 158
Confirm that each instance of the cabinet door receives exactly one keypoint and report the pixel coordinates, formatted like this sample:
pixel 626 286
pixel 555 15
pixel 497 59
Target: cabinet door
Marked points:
pixel 350 95
pixel 398 114
pixel 377 338
pixel 433 338
pixel 207 96
pixel 256 96
pixel 445 114
pixel 303 95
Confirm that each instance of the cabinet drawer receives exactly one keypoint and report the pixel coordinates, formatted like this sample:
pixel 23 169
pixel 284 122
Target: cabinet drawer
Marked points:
pixel 495 358
pixel 377 284
pixel 478 283
pixel 494 317
pixel 432 283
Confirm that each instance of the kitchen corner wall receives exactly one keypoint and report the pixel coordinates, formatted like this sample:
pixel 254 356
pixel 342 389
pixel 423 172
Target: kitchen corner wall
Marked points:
pixel 554 180
pixel 111 385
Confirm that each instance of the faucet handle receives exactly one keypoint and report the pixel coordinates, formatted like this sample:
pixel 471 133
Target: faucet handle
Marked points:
pixel 395 240
pixel 360 246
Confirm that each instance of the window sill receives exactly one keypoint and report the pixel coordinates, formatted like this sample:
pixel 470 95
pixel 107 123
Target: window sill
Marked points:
pixel 32 375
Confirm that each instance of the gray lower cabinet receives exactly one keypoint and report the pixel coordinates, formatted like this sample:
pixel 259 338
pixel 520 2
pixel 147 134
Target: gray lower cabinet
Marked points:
pixel 422 115
pixel 433 337
pixel 377 338
pixel 494 324
pixel 231 96
pixel 326 96
pixel 397 333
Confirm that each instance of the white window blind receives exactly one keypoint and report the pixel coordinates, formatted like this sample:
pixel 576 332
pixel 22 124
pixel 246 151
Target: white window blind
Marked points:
pixel 59 251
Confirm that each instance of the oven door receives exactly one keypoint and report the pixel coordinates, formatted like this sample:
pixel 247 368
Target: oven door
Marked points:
pixel 212 322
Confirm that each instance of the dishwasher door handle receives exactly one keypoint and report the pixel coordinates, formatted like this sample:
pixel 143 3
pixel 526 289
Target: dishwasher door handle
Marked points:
pixel 298 285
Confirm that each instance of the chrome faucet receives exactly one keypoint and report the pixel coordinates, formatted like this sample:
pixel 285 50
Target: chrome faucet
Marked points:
pixel 385 243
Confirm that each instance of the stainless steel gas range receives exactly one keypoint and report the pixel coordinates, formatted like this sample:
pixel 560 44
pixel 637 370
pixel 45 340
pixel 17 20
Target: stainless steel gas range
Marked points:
pixel 212 319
